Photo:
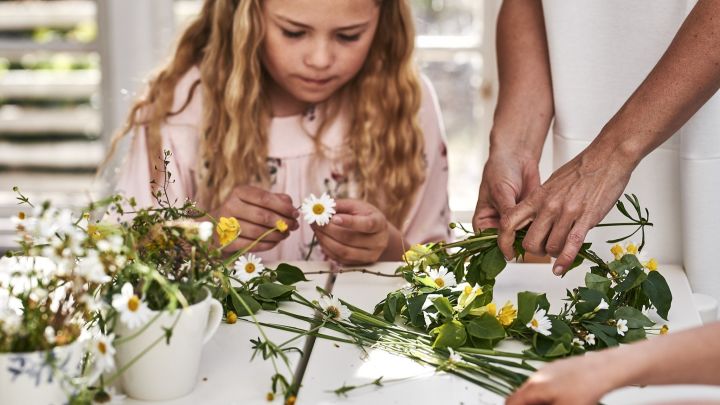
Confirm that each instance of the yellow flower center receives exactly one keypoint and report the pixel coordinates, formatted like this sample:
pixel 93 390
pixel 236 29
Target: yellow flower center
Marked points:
pixel 21 215
pixel 318 209
pixel 664 330
pixel 270 396
pixel 534 323
pixel 467 290
pixel 102 348
pixel 249 268
pixel 334 312
pixel 133 303
pixel 440 282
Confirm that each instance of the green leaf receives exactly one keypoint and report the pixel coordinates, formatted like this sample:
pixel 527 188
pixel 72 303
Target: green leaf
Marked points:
pixel 451 334
pixel 589 300
pixel 443 306
pixel 275 290
pixel 269 306
pixel 597 283
pixel 528 303
pixel 485 326
pixel 658 291
pixel 633 335
pixel 634 278
pixel 634 318
pixel 414 305
pixel 249 301
pixel 548 347
pixel 474 273
pixel 493 263
pixel 603 333
pixel 288 274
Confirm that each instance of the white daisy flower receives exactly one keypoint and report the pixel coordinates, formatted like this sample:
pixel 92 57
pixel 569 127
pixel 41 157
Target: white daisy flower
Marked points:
pixel 540 323
pixel 248 267
pixel 92 269
pixel 441 277
pixel 103 352
pixel 333 307
pixel 590 339
pixel 577 342
pixel 318 210
pixel 205 230
pixel 602 305
pixel 133 311
pixel 621 326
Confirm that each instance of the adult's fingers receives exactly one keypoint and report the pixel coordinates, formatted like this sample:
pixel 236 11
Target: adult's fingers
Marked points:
pixel 260 216
pixel 573 243
pixel 346 236
pixel 512 220
pixel 556 240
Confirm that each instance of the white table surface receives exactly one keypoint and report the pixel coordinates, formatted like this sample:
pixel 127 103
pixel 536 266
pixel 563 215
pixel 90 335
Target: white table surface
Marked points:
pixel 331 365
pixel 227 376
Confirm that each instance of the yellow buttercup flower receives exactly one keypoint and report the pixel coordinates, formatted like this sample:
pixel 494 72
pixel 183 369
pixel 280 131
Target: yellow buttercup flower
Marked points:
pixel 227 229
pixel 231 317
pixel 651 265
pixel 281 225
pixel 416 253
pixel 507 314
pixel 491 308
pixel 664 330
pixel 631 248
pixel 617 251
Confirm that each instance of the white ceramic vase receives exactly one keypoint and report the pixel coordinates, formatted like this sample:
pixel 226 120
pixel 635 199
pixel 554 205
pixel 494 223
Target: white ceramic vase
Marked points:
pixel 167 371
pixel 41 377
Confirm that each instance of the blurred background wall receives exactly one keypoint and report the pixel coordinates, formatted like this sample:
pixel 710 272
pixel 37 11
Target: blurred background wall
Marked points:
pixel 69 69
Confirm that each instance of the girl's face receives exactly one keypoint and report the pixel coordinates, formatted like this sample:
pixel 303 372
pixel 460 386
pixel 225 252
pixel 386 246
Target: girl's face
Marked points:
pixel 313 47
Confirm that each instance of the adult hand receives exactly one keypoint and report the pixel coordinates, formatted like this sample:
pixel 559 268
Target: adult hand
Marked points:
pixel 571 381
pixel 507 180
pixel 358 233
pixel 562 211
pixel 257 211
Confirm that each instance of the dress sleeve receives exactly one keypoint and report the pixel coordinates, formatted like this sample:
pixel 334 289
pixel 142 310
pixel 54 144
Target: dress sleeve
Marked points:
pixel 428 219
pixel 180 135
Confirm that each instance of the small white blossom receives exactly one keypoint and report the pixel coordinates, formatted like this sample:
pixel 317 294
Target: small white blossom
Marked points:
pixel 133 311
pixel 248 267
pixel 442 277
pixel 103 352
pixel 540 323
pixel 318 210
pixel 577 342
pixel 602 305
pixel 621 327
pixel 92 269
pixel 333 307
pixel 590 339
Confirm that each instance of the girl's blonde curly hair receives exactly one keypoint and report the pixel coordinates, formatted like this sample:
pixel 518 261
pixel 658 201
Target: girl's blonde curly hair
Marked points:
pixel 384 141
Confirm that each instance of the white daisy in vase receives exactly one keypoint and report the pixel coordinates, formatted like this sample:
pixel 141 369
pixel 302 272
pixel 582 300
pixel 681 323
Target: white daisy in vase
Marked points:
pixel 540 323
pixel 103 351
pixel 441 277
pixel 333 307
pixel 133 311
pixel 621 326
pixel 248 267
pixel 318 210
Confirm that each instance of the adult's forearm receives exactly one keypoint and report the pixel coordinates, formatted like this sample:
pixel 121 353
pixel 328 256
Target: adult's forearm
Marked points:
pixel 686 76
pixel 687 357
pixel 525 103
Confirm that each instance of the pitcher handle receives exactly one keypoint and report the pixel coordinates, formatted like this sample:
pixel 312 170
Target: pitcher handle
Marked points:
pixel 214 319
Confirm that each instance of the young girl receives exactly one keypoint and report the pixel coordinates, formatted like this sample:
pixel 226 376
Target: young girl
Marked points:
pixel 268 101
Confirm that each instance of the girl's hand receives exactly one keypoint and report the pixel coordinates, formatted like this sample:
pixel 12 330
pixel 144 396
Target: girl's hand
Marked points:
pixel 257 211
pixel 357 234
